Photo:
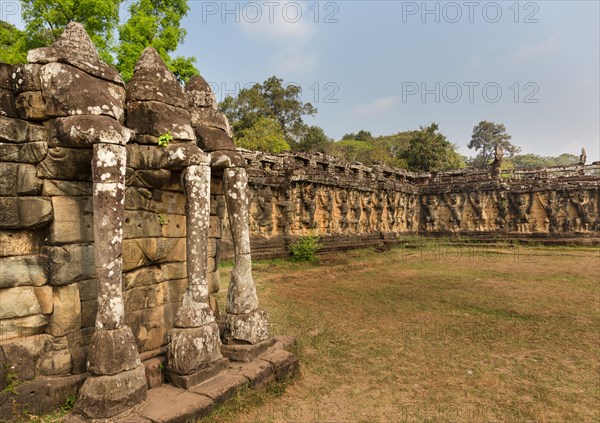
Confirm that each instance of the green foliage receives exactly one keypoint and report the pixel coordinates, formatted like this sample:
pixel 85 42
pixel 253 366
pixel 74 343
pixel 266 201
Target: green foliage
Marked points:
pixel 46 19
pixel 387 149
pixel 162 220
pixel 165 139
pixel 361 135
pixel 13 44
pixel 305 248
pixel 486 137
pixel 69 404
pixel 155 23
pixel 313 140
pixel 531 161
pixel 430 151
pixel 273 100
pixel 11 378
pixel 264 135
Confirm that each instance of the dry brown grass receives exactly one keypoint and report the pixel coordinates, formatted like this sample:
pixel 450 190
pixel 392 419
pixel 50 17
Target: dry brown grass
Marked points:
pixel 436 334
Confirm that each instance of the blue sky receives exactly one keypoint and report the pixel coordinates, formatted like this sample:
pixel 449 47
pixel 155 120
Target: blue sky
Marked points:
pixel 389 66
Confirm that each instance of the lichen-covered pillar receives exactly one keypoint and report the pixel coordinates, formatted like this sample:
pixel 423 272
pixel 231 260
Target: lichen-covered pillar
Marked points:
pixel 194 343
pixel 245 322
pixel 117 381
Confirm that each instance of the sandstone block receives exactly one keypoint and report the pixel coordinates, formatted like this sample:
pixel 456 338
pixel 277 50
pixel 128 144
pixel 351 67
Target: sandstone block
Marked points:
pixel 71 263
pixel 112 352
pixel 18 302
pixel 148 327
pixel 155 118
pixel 86 130
pixel 246 328
pixel 55 363
pixel 73 220
pixel 23 271
pixel 153 81
pixel 66 317
pixel 89 310
pixel 45 297
pixel 73 164
pixel 144 297
pixel 88 290
pixel 75 47
pixel 31 106
pixel 148 178
pixel 69 91
pixel 18 243
pixel 141 277
pixel 8 106
pixel 22 326
pixel 154 372
pixel 199 93
pixel 19 131
pixel 144 251
pixel 66 188
pixel 22 355
pixel 26 78
pixel 192 349
pixel 31 152
pixel 209 117
pixel 108 396
pixel 211 139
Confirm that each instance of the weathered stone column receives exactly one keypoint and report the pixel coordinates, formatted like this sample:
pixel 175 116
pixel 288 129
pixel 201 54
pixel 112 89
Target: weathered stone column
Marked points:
pixel 245 322
pixel 194 352
pixel 117 381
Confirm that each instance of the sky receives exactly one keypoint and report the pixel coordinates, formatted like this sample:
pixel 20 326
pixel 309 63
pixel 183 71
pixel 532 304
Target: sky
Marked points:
pixel 391 66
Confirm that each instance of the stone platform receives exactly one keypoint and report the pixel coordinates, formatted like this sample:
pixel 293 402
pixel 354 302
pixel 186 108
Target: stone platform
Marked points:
pixel 168 404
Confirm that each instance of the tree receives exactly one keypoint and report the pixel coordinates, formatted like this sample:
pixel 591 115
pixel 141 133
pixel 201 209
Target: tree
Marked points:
pixel 155 23
pixel 486 137
pixel 152 23
pixel 430 151
pixel 265 135
pixel 13 44
pixel 46 19
pixel 362 135
pixel 271 99
pixel 313 140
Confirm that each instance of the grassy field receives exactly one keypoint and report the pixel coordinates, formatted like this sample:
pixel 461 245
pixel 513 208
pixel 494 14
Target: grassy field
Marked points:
pixel 434 334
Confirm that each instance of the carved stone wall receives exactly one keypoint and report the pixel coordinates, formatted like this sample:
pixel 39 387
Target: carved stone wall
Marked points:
pixel 351 205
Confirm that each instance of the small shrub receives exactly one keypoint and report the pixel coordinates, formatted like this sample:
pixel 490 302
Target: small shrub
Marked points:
pixel 162 220
pixel 165 139
pixel 305 248
pixel 69 404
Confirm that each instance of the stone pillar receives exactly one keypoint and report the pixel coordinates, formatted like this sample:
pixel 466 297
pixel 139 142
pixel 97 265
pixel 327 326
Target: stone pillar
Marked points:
pixel 194 352
pixel 245 322
pixel 117 381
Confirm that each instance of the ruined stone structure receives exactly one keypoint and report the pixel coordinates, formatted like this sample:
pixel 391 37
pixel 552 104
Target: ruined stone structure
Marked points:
pixel 110 243
pixel 109 240
pixel 352 205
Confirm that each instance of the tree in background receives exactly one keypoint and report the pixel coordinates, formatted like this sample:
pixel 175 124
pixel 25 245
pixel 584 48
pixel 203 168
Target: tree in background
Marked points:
pixel 270 99
pixel 313 140
pixel 430 151
pixel 531 161
pixel 361 135
pixel 13 44
pixel 264 135
pixel 486 137
pixel 155 23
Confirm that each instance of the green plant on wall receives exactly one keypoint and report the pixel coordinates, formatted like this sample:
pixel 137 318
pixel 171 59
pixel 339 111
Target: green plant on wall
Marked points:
pixel 162 220
pixel 11 378
pixel 165 139
pixel 305 248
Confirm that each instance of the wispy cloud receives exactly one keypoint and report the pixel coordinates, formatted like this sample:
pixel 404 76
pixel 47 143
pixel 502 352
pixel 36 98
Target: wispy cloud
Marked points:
pixel 539 49
pixel 377 106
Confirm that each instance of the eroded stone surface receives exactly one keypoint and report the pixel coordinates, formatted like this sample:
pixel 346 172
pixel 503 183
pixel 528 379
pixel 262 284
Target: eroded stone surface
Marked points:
pixel 112 352
pixel 247 328
pixel 193 348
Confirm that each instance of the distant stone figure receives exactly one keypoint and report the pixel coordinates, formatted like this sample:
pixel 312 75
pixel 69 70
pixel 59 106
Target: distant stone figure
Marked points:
pixel 582 157
pixel 497 163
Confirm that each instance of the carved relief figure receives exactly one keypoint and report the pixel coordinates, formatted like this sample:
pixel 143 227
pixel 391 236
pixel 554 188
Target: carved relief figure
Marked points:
pixel 430 205
pixel 326 199
pixel 379 205
pixel 521 204
pixel 478 203
pixel 455 203
pixel 367 206
pixel 356 211
pixel 264 200
pixel 309 202
pixel 344 209
pixel 502 206
pixel 392 208
pixel 583 206
pixel 410 211
pixel 553 209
